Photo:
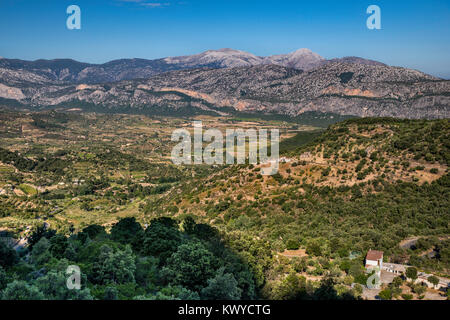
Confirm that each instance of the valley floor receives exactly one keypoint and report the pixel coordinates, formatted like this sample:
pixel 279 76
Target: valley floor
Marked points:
pixel 302 233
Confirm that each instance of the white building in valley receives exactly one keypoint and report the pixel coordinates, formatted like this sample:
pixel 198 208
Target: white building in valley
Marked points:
pixel 374 261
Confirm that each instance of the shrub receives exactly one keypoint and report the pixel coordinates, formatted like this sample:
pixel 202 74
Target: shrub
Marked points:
pixel 385 294
pixel 292 244
pixel 407 296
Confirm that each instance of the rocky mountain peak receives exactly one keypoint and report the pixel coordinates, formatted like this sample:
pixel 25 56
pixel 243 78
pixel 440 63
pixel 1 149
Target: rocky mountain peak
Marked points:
pixel 223 58
pixel 302 51
pixel 303 59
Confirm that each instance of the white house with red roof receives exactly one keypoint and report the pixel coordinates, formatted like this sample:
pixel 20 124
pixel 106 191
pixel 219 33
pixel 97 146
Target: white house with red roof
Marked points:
pixel 374 260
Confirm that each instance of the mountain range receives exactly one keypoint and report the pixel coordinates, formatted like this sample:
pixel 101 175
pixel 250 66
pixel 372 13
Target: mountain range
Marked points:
pixel 71 71
pixel 218 81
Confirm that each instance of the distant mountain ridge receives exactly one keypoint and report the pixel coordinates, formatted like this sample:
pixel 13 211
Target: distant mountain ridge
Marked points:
pixel 225 81
pixel 71 71
pixel 339 88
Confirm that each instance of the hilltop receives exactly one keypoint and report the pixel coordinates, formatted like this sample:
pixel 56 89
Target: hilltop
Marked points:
pixel 361 184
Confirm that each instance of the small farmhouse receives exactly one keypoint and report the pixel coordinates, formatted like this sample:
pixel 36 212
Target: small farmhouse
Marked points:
pixel 374 259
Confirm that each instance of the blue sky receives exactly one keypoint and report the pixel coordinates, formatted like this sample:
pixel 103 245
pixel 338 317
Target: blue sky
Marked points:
pixel 415 34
